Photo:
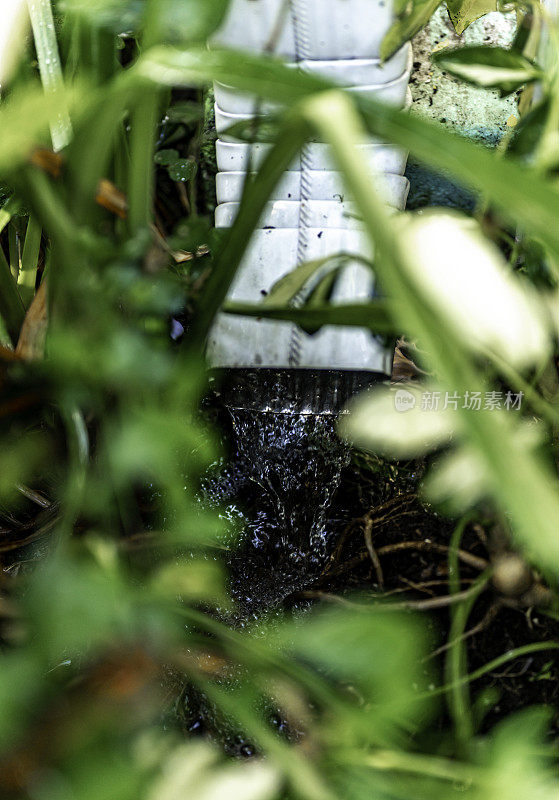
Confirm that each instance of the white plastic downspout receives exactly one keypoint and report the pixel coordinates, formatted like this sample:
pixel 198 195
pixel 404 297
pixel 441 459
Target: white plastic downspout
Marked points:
pixel 309 216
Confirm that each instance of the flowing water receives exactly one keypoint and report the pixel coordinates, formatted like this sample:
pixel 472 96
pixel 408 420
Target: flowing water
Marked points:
pixel 284 471
pixel 279 484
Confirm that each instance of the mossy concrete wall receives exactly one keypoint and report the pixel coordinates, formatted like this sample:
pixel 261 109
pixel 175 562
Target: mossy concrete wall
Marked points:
pixel 477 113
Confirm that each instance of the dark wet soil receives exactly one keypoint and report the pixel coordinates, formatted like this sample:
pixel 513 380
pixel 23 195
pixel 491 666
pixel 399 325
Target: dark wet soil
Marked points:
pixel 279 567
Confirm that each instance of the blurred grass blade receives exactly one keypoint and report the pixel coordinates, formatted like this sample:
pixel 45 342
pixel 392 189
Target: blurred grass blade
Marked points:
pixel 25 118
pixel 516 472
pixel 292 136
pixel 141 173
pixel 373 315
pixel 11 306
pixel 29 260
pixel 44 33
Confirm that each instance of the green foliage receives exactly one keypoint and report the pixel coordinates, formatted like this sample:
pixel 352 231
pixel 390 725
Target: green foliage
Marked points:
pixel 464 12
pixel 413 17
pixel 105 418
pixel 489 67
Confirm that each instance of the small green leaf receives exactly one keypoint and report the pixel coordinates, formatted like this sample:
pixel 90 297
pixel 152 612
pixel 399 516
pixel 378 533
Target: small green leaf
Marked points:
pixel 529 130
pixel 464 12
pixel 182 170
pixel 166 157
pixel 488 67
pixel 186 113
pixel 179 169
pixel 291 284
pixel 322 292
pixel 191 20
pixel 407 25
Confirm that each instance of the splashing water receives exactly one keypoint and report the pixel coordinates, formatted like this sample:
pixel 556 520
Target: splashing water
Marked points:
pixel 286 467
pixel 296 460
pixel 290 467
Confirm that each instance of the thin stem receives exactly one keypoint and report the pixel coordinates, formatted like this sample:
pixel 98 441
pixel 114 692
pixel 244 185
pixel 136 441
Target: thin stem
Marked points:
pixel 456 662
pixel 430 604
pixel 77 439
pixel 416 764
pixel 476 562
pixel 511 655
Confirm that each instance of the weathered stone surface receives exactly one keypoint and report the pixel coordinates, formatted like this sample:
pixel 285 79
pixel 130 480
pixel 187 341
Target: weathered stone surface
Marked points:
pixel 478 113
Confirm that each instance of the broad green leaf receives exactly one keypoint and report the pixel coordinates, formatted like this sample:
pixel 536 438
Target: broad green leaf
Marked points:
pixel 192 20
pixel 380 647
pixel 406 26
pixel 166 157
pixel 457 481
pixel 179 169
pixel 186 112
pixel 467 279
pixel 488 67
pixel 200 580
pixel 183 170
pixel 518 759
pixel 527 134
pixel 460 478
pixel 464 12
pixel 399 421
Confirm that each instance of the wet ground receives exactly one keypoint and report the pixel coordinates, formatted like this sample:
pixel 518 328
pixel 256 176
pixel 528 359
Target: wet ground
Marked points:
pixel 321 522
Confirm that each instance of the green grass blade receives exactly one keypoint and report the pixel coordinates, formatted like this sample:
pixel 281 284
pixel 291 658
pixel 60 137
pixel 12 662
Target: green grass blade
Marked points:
pixel 142 170
pixel 44 33
pixel 290 140
pixel 373 315
pixel 11 307
pixel 29 261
